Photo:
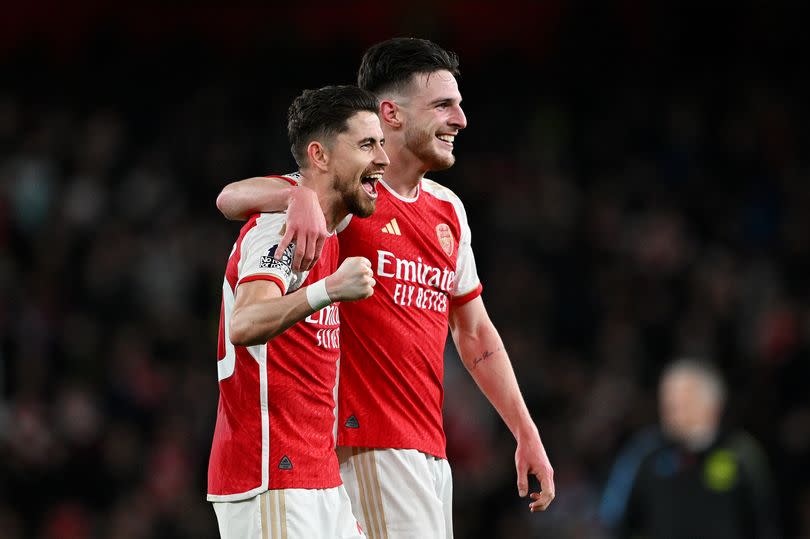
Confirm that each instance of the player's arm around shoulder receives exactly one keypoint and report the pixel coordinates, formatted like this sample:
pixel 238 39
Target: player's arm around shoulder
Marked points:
pixel 240 199
pixel 306 226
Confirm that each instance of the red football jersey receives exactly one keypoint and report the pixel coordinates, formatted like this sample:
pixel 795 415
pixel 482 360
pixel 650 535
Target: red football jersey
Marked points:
pixel 276 414
pixel 392 366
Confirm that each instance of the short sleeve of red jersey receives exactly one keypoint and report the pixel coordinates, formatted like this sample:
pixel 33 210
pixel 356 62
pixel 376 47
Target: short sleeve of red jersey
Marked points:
pixel 257 260
pixel 467 286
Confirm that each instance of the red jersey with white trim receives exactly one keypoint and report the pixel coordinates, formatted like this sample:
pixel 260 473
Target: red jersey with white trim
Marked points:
pixel 392 344
pixel 276 413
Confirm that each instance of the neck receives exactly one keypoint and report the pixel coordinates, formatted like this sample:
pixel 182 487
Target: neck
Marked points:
pixel 331 204
pixel 404 172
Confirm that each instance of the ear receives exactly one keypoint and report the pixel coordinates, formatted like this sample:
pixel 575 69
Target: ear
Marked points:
pixel 318 156
pixel 390 114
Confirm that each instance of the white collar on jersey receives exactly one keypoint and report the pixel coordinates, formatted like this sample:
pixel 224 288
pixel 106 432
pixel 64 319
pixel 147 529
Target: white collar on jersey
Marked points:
pixel 402 198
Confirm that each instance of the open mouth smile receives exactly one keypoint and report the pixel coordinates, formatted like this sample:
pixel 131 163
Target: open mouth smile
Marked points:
pixel 369 184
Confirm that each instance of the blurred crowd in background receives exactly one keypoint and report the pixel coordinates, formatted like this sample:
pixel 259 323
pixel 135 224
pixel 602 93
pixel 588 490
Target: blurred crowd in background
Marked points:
pixel 636 181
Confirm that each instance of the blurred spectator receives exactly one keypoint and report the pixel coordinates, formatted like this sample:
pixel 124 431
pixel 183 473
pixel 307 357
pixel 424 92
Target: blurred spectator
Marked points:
pixel 692 477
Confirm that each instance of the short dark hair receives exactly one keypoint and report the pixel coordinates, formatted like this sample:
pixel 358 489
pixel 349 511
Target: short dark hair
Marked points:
pixel 389 65
pixel 323 113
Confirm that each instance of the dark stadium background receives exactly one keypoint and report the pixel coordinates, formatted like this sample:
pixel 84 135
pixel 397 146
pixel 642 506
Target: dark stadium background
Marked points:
pixel 636 178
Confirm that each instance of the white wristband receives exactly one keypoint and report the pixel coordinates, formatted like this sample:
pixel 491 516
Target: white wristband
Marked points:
pixel 317 296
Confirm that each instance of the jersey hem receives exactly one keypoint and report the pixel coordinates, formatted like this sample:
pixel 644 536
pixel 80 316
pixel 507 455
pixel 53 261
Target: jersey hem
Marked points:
pixel 238 497
pixel 432 453
pixel 241 496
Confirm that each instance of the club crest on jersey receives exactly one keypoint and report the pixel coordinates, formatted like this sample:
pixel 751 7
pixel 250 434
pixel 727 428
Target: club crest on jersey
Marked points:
pixel 445 238
pixel 284 265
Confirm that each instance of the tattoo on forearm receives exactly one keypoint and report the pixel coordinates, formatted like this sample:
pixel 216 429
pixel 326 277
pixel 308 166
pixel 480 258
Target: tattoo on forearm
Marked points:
pixel 482 357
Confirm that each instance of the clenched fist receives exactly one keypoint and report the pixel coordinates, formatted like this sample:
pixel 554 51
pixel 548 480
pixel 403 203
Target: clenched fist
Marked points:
pixel 353 280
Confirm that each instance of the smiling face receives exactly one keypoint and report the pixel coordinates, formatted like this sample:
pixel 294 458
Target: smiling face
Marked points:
pixel 432 117
pixel 358 162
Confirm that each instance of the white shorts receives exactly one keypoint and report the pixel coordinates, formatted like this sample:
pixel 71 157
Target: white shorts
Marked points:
pixel 292 513
pixel 398 493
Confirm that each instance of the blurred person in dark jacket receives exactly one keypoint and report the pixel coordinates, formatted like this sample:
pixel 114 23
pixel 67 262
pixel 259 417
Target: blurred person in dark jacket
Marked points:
pixel 691 477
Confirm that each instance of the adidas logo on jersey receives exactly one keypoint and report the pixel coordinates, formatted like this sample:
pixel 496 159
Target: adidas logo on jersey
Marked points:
pixel 285 463
pixel 392 228
pixel 352 423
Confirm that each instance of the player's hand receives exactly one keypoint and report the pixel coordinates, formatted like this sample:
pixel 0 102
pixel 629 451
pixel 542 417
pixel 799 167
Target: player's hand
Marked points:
pixel 306 226
pixel 531 459
pixel 353 280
